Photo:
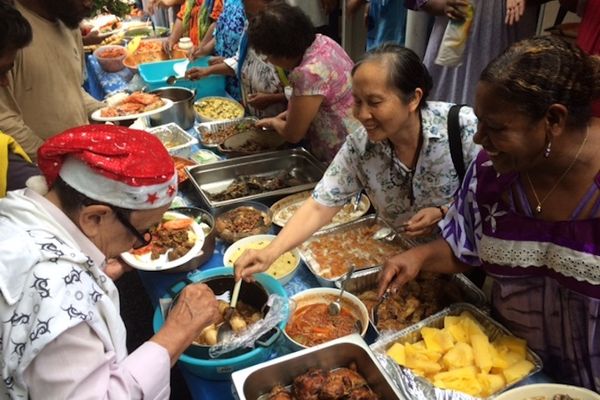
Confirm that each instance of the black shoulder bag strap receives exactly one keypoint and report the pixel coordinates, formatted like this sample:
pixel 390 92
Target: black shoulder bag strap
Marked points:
pixel 455 141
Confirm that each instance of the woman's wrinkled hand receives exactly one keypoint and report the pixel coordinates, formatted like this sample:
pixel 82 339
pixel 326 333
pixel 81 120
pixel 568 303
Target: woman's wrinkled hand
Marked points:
pixel 456 9
pixel 196 73
pixel 397 271
pixel 514 11
pixel 424 222
pixel 251 262
pixel 195 309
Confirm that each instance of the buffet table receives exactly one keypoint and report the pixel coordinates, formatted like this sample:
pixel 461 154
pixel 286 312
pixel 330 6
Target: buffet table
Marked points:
pixel 100 83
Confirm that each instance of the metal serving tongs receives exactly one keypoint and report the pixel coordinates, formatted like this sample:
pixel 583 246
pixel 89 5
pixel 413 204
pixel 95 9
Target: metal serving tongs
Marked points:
pixel 335 306
pixel 225 331
pixel 375 308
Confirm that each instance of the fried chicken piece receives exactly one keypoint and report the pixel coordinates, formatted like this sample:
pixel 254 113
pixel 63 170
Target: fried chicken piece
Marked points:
pixel 307 386
pixel 280 393
pixel 362 393
pixel 340 382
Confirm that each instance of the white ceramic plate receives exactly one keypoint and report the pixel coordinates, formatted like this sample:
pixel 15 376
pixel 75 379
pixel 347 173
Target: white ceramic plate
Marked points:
pixel 240 244
pixel 145 263
pixel 283 210
pixel 548 390
pixel 97 117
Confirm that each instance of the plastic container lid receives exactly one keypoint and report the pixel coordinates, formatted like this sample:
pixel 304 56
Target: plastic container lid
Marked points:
pixel 185 43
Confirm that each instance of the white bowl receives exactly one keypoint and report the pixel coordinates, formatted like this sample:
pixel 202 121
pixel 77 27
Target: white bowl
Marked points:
pixel 548 390
pixel 325 296
pixel 235 250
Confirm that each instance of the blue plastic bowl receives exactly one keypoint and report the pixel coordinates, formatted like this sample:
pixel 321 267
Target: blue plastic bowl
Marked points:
pixel 221 369
pixel 155 75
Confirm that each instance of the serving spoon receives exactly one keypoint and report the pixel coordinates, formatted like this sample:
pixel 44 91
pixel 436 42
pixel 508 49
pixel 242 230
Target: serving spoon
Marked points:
pixel 225 331
pixel 335 306
pixel 171 80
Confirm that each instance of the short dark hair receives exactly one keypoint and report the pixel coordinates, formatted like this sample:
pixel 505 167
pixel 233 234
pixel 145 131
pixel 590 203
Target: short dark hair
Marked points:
pixel 16 31
pixel 281 30
pixel 406 72
pixel 72 200
pixel 535 73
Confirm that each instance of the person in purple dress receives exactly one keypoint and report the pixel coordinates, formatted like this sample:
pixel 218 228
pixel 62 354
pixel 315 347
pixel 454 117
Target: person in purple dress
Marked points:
pixel 528 211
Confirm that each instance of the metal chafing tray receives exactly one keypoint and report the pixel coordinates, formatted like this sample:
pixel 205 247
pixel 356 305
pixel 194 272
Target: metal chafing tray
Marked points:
pixel 211 127
pixel 402 242
pixel 256 382
pixel 363 280
pixel 216 177
pixel 418 388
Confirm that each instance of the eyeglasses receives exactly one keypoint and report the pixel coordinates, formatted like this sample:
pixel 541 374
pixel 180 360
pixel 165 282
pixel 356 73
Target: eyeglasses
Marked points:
pixel 143 238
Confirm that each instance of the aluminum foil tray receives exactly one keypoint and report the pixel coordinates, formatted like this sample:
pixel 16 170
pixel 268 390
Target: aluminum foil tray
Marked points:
pixel 177 141
pixel 417 388
pixel 254 383
pixel 211 127
pixel 402 243
pixel 361 281
pixel 216 177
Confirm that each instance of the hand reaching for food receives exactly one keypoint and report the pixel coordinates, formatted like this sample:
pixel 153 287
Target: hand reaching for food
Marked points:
pixel 514 11
pixel 196 73
pixel 397 271
pixel 456 9
pixel 424 222
pixel 251 262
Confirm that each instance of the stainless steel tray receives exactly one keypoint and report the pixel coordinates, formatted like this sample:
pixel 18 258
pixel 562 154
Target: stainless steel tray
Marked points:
pixel 419 388
pixel 402 242
pixel 210 127
pixel 363 280
pixel 216 177
pixel 255 382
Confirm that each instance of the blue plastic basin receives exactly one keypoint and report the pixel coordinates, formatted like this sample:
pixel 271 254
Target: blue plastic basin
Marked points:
pixel 155 75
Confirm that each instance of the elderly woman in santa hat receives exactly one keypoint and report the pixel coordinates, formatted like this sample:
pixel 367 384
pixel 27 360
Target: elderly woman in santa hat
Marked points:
pixel 61 332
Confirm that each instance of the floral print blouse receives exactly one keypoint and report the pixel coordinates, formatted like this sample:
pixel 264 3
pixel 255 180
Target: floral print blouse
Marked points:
pixel 325 71
pixel 228 32
pixel 395 191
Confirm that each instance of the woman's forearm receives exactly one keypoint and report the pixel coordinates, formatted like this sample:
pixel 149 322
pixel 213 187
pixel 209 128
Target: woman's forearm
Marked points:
pixel 437 256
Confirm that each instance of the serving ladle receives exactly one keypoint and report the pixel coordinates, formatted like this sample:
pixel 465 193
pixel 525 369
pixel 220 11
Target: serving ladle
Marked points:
pixel 335 306
pixel 171 80
pixel 225 331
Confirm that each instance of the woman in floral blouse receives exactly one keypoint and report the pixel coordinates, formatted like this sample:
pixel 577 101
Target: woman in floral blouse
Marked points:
pixel 319 111
pixel 400 156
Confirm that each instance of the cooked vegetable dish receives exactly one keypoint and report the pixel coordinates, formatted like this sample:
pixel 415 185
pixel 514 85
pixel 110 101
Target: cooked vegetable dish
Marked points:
pixel 220 135
pixel 312 324
pixel 219 109
pixel 175 237
pixel 241 222
pixel 418 299
pixel 248 185
pixel 243 316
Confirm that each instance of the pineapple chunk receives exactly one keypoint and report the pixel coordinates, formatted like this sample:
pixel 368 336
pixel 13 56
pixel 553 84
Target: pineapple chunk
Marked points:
pixel 471 324
pixel 451 320
pixel 422 359
pixel 490 383
pixel 436 339
pixel 503 358
pixel 459 332
pixel 461 355
pixel 517 371
pixel 514 344
pixel 397 353
pixel 482 352
pixel 461 379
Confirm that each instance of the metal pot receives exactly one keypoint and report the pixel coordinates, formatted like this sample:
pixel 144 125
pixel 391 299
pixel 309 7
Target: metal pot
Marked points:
pixel 182 112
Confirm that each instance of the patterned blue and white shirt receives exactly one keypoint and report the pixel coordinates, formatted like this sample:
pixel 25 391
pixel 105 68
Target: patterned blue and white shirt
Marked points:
pixel 363 164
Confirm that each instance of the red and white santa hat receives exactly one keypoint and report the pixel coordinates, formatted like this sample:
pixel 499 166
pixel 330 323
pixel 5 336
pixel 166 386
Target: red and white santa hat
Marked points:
pixel 123 167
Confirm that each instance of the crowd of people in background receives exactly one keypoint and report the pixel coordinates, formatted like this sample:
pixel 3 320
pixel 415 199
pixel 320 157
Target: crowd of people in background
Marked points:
pixel 518 201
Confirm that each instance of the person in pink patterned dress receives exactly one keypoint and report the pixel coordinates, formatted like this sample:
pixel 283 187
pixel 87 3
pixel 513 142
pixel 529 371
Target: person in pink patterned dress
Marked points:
pixel 320 106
